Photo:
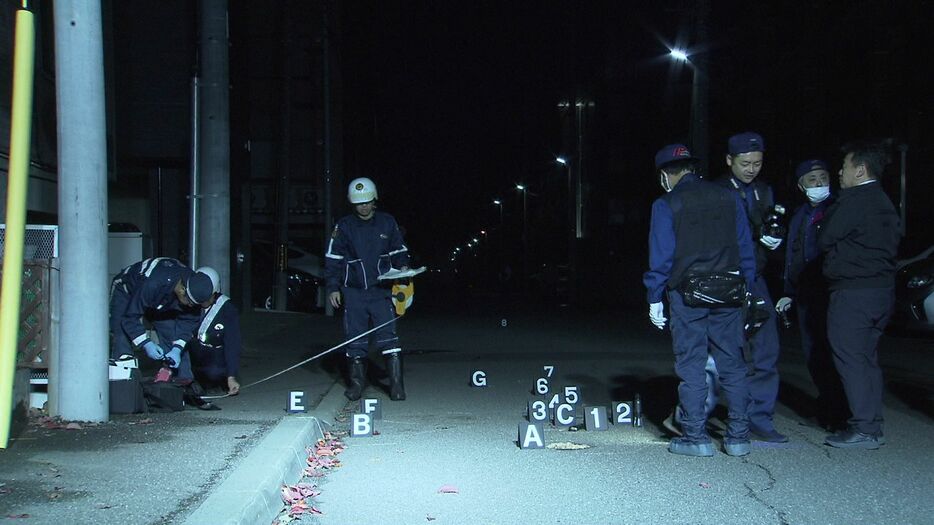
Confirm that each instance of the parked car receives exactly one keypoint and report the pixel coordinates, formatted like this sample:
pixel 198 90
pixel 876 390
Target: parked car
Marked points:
pixel 914 294
pixel 305 277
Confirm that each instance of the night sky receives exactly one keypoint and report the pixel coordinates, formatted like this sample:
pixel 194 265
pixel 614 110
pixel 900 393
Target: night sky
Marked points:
pixel 447 105
pixel 463 95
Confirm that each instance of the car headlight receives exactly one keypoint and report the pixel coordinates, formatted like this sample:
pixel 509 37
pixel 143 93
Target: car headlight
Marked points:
pixel 920 281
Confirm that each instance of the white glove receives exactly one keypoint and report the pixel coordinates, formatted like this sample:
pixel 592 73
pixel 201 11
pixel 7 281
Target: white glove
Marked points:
pixel 771 243
pixel 783 304
pixel 657 315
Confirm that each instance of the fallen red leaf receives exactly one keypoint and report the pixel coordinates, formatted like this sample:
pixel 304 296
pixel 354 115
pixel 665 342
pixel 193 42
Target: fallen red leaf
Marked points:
pixel 704 484
pixel 298 508
pixel 448 489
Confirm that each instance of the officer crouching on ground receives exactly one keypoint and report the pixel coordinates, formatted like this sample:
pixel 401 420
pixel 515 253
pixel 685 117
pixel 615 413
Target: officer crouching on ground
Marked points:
pixel 806 290
pixel 363 246
pixel 699 235
pixel 215 348
pixel 859 241
pixel 170 296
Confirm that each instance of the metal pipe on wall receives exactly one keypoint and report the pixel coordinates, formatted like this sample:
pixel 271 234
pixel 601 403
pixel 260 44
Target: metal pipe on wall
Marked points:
pixel 195 190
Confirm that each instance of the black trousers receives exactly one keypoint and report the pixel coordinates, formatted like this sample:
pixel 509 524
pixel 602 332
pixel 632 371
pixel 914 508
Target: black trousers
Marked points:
pixel 812 321
pixel 856 319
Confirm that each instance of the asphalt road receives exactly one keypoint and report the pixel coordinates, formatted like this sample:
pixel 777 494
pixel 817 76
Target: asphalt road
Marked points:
pixel 448 434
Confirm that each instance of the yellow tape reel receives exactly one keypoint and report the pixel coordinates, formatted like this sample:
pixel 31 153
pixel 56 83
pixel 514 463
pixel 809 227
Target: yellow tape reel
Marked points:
pixel 402 295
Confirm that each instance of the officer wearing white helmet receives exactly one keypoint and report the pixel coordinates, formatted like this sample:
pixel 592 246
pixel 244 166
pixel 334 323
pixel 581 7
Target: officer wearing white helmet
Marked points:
pixel 363 246
pixel 215 348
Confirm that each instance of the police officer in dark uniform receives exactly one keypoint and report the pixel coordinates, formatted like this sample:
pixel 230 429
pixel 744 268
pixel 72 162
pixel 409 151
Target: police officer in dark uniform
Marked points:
pixel 215 348
pixel 806 290
pixel 363 246
pixel 746 152
pixel 169 295
pixel 700 229
pixel 859 241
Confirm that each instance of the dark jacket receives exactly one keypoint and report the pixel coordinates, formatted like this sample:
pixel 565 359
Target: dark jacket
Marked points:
pixel 361 250
pixel 802 256
pixel 150 287
pixel 757 199
pixel 696 228
pixel 860 239
pixel 218 342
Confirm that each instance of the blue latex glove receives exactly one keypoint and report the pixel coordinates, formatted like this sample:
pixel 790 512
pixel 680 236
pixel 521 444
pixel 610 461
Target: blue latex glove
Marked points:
pixel 174 357
pixel 153 350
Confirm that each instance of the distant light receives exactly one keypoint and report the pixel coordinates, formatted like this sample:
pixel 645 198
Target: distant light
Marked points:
pixel 561 160
pixel 475 239
pixel 482 232
pixel 520 187
pixel 497 202
pixel 679 55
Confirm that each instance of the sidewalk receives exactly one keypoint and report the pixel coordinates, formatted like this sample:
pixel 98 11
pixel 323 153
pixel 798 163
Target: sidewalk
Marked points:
pixel 176 467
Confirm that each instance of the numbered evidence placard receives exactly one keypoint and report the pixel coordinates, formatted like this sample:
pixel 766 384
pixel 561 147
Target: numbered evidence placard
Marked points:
pixel 531 435
pixel 361 425
pixel 371 406
pixel 295 403
pixel 627 412
pixel 477 379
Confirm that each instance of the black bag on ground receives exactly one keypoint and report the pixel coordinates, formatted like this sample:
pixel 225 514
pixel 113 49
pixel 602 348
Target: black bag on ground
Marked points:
pixel 126 395
pixel 714 290
pixel 164 397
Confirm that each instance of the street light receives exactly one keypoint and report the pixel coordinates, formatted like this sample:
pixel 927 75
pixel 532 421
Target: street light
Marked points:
pixel 525 229
pixel 699 95
pixel 499 203
pixel 572 231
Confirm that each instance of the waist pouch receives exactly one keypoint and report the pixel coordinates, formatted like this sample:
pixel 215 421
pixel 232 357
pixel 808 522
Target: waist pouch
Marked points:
pixel 714 290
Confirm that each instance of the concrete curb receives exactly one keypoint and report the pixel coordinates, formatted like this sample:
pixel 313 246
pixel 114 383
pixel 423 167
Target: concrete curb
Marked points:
pixel 250 495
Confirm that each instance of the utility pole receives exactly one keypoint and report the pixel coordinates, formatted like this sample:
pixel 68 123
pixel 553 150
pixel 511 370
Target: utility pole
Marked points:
pixel 214 217
pixel 700 89
pixel 82 210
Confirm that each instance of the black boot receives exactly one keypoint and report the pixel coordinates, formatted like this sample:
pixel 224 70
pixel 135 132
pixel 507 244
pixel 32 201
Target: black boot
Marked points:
pixel 357 381
pixel 394 369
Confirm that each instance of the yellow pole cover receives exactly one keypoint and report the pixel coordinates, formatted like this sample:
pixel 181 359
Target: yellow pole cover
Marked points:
pixel 17 183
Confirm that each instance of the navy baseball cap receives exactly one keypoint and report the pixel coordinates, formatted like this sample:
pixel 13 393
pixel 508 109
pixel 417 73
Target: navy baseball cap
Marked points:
pixel 745 143
pixel 808 166
pixel 672 153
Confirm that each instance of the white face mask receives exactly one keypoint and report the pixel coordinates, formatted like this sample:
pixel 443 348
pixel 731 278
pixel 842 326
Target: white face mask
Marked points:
pixel 818 194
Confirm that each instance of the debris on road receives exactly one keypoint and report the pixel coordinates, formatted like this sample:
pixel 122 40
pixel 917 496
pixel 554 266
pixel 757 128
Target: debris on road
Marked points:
pixel 566 445
pixel 448 489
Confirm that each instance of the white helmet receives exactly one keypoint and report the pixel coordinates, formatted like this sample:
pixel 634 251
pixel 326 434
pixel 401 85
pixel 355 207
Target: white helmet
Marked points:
pixel 212 273
pixel 361 190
